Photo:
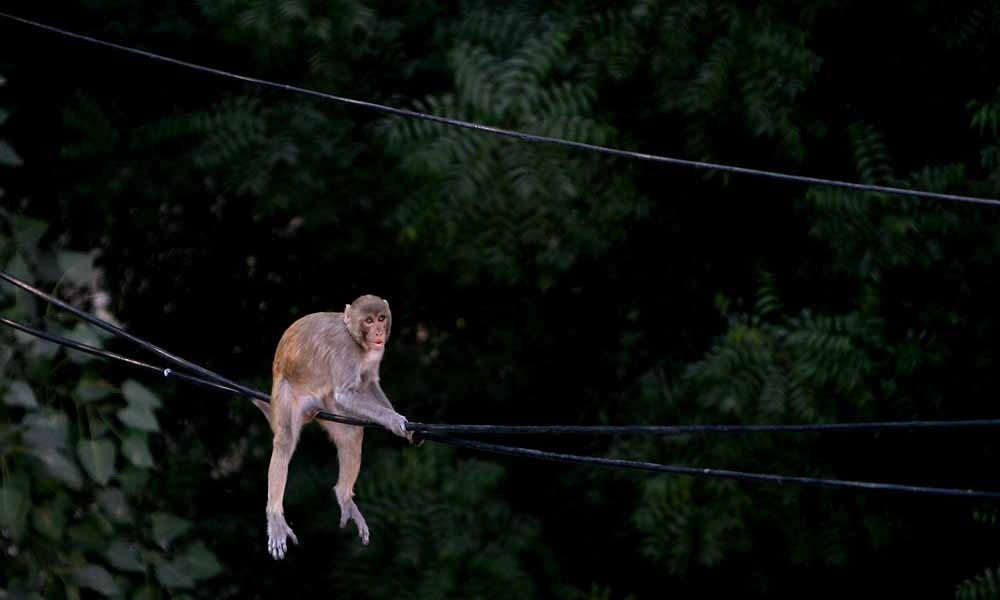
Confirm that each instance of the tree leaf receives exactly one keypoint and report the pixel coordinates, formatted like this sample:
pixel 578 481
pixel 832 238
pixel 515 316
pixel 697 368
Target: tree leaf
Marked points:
pixel 77 267
pixel 17 266
pixel 13 511
pixel 112 500
pixel 125 557
pixel 27 232
pixel 85 335
pixel 200 562
pixel 139 417
pixel 49 520
pixel 97 578
pixel 139 395
pixel 172 575
pixel 92 388
pixel 147 592
pixel 19 393
pixel 59 466
pixel 49 429
pixel 88 536
pixel 98 459
pixel 136 450
pixel 9 158
pixel 167 527
pixel 133 479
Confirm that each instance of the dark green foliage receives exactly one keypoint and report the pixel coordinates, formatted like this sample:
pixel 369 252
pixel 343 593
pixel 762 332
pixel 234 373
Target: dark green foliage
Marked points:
pixel 78 474
pixel 530 284
pixel 490 207
pixel 980 587
pixel 449 535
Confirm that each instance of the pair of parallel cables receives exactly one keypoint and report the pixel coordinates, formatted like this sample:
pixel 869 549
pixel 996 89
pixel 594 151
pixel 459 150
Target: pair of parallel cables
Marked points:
pixel 439 432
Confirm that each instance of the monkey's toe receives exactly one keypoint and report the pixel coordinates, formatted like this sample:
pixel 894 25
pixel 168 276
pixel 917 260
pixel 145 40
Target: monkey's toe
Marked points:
pixel 350 512
pixel 276 549
pixel 362 530
pixel 277 539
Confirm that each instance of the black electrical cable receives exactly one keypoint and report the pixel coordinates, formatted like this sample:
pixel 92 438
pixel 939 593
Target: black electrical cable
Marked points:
pixel 707 472
pixel 56 339
pixel 552 456
pixel 526 137
pixel 241 391
pixel 118 331
pixel 128 336
pixel 513 429
pixel 666 430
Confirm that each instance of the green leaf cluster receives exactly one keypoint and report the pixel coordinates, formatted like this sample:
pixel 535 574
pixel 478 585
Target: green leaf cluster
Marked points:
pixel 77 456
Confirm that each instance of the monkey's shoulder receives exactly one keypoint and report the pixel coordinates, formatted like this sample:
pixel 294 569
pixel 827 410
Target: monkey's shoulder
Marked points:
pixel 319 319
pixel 318 325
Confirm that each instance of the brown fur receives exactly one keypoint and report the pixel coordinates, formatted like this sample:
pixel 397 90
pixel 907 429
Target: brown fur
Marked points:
pixel 328 361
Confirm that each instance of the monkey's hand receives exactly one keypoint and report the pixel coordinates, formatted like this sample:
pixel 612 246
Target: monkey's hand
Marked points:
pixel 398 426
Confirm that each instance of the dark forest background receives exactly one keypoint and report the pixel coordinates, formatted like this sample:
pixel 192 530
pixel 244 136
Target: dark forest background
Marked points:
pixel 529 284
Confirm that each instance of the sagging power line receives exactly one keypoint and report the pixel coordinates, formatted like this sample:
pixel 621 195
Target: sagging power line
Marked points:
pixel 215 381
pixel 224 384
pixel 520 135
pixel 558 457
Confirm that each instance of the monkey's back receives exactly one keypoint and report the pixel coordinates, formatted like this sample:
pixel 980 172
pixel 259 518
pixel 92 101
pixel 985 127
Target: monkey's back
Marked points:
pixel 307 349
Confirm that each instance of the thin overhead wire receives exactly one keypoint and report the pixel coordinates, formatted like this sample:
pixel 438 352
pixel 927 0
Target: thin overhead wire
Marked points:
pixel 102 353
pixel 670 430
pixel 636 465
pixel 520 135
pixel 118 331
pixel 110 328
pixel 439 428
pixel 557 457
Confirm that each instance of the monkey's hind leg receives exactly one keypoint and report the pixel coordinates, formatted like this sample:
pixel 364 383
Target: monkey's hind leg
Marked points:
pixel 288 412
pixel 348 439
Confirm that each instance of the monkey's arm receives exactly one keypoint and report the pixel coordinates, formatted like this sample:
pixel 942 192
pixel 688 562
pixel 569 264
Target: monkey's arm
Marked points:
pixel 369 403
pixel 379 396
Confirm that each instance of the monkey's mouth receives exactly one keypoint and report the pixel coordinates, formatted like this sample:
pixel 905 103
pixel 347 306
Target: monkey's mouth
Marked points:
pixel 377 343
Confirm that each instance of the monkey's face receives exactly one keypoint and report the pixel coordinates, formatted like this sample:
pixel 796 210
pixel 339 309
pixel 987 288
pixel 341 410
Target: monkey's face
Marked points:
pixel 369 320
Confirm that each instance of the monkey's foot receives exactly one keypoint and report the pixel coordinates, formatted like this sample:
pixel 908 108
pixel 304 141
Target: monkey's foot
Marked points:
pixel 350 512
pixel 278 533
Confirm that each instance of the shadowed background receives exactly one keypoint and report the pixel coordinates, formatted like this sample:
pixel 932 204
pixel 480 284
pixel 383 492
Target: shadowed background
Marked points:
pixel 529 284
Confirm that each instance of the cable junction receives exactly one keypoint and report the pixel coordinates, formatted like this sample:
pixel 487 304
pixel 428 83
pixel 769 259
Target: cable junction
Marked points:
pixel 217 382
pixel 519 135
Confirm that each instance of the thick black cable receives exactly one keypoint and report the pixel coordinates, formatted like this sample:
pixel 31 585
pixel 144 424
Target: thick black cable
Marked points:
pixel 118 331
pixel 520 135
pixel 213 384
pixel 669 430
pixel 128 336
pixel 707 472
pixel 660 430
pixel 87 349
pixel 663 430
pixel 540 454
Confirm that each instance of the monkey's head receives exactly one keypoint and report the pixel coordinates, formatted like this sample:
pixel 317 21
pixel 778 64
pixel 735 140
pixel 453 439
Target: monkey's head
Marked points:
pixel 369 320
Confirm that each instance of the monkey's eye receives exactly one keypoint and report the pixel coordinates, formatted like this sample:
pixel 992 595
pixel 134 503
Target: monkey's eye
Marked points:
pixel 369 320
pixel 381 317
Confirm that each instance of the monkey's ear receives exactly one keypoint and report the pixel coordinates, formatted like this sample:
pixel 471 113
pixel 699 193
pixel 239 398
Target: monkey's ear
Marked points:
pixel 347 313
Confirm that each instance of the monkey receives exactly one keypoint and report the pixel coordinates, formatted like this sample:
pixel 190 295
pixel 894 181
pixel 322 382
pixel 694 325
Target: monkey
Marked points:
pixel 327 361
